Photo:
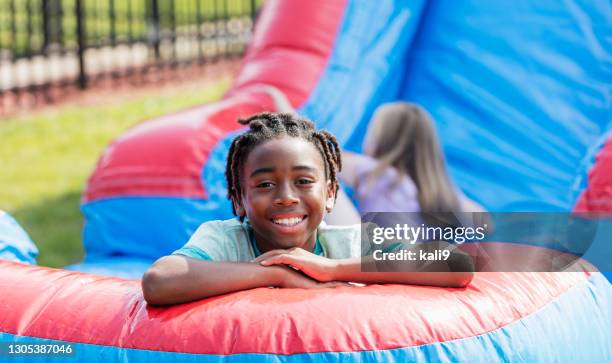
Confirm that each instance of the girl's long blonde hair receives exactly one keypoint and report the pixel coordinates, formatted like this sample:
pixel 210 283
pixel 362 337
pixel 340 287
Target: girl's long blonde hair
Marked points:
pixel 402 135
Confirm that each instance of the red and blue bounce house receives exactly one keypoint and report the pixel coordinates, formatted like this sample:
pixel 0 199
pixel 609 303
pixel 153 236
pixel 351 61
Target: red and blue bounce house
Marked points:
pixel 521 96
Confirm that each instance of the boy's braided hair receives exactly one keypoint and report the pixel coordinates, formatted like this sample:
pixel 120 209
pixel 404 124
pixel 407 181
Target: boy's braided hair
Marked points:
pixel 267 126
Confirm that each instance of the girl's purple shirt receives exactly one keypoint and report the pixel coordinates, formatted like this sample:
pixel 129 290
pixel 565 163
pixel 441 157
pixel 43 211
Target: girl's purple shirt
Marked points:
pixel 384 193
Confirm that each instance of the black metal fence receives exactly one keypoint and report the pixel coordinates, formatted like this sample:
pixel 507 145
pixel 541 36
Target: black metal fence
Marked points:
pixel 46 43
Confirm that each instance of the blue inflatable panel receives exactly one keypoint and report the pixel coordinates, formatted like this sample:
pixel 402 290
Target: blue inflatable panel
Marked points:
pixel 367 67
pixel 117 266
pixel 174 221
pixel 15 244
pixel 487 72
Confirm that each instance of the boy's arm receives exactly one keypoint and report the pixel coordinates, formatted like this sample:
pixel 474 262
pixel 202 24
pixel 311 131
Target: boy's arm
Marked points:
pixel 177 279
pixel 351 270
pixel 450 267
pixel 456 271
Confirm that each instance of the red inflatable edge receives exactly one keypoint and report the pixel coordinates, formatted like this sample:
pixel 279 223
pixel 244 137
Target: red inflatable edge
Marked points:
pixel 77 307
pixel 598 195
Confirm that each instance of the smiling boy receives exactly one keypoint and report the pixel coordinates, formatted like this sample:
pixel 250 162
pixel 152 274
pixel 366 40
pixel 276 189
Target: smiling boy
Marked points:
pixel 282 179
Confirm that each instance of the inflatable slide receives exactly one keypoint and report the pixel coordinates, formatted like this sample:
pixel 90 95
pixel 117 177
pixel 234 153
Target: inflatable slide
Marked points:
pixel 521 98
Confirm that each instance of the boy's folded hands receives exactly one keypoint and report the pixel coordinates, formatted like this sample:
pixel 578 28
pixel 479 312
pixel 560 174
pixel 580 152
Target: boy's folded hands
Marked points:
pixel 317 267
pixel 298 280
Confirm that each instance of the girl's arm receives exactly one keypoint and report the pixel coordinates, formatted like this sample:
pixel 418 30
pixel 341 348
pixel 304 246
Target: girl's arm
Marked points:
pixel 344 211
pixel 350 163
pixel 178 279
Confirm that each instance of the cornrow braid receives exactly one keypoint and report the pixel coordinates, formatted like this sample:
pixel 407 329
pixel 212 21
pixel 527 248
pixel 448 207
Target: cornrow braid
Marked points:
pixel 267 126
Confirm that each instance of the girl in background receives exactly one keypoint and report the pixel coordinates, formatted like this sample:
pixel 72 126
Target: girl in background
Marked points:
pixel 402 169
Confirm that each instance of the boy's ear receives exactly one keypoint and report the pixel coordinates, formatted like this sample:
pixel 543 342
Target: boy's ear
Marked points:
pixel 239 208
pixel 331 197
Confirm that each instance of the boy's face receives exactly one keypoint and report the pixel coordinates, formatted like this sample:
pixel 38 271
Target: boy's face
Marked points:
pixel 285 193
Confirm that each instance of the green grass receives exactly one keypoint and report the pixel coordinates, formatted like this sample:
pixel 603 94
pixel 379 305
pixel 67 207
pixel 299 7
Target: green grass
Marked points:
pixel 46 158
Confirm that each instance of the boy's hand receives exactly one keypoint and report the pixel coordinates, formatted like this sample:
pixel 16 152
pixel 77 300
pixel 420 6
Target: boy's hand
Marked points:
pixel 317 267
pixel 297 280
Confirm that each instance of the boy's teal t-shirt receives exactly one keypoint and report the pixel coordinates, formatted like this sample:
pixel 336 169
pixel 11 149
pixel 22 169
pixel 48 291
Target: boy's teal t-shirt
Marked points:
pixel 230 240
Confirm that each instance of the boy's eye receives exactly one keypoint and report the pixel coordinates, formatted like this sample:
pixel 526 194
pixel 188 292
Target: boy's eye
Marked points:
pixel 305 181
pixel 265 185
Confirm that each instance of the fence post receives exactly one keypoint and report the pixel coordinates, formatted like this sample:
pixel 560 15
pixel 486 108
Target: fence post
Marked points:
pixel 81 43
pixel 45 24
pixel 253 10
pixel 154 26
pixel 51 12
pixel 113 22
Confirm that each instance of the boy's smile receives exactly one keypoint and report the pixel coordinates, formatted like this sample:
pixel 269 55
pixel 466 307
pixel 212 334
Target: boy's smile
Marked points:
pixel 285 193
